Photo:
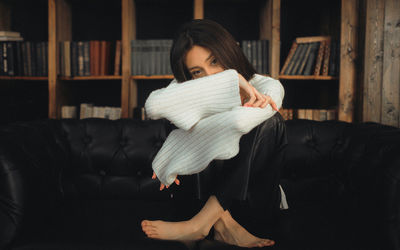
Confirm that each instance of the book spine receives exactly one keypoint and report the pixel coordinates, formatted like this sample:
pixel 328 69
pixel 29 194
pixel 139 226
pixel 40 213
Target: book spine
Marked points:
pixel 254 53
pixel 61 64
pixel 320 55
pixel 305 58
pixel 117 59
pixel 299 59
pixel 67 49
pixel 19 59
pixel 292 61
pixel 158 62
pixel 29 57
pixel 265 59
pixel 289 58
pixel 260 55
pixel 1 59
pixel 91 56
pixel 81 69
pixel 327 52
pixel 308 69
pixel 86 58
pixel 39 62
pixel 11 58
pixel 33 59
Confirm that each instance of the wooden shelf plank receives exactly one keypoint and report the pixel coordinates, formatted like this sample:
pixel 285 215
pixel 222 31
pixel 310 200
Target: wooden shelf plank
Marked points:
pixel 143 77
pixel 28 78
pixel 75 78
pixel 312 77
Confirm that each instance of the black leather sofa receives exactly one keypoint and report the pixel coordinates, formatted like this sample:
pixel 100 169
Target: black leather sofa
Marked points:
pixel 86 184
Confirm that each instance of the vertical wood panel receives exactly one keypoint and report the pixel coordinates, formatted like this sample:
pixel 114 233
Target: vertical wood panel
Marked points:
pixel 5 17
pixel 348 55
pixel 128 87
pixel 276 38
pixel 52 60
pixel 266 26
pixel 198 9
pixel 59 30
pixel 391 64
pixel 372 96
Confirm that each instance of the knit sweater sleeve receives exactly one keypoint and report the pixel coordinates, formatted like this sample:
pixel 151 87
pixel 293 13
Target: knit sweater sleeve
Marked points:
pixel 184 104
pixel 214 137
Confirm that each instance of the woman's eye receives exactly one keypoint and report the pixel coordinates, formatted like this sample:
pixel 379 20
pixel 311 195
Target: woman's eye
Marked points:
pixel 214 62
pixel 196 73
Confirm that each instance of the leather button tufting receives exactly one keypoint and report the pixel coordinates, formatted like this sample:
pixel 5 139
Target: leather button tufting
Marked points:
pixel 139 173
pixel 87 140
pixel 123 142
pixel 102 173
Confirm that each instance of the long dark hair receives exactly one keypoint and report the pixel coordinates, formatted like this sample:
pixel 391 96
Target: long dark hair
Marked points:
pixel 217 39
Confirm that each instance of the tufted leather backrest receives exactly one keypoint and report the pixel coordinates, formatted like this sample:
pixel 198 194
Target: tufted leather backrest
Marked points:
pixel 112 159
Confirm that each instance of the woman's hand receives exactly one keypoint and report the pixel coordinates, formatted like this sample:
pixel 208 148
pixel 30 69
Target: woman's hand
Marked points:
pixel 162 186
pixel 250 96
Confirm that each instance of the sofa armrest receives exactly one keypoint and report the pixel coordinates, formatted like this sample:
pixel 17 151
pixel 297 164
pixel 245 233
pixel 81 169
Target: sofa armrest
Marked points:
pixel 12 195
pixel 374 181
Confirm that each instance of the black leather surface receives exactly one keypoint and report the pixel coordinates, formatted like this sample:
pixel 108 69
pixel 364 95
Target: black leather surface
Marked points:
pixel 86 184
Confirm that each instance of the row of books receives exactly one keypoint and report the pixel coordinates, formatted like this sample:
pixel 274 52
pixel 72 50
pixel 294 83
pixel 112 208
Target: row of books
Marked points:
pixel 318 56
pixel 309 114
pixel 257 52
pixel 23 58
pixel 6 35
pixel 87 110
pixel 151 57
pixel 90 58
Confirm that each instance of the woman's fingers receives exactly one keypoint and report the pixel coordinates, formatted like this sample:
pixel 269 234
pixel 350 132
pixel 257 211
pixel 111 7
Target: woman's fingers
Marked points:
pixel 273 105
pixel 162 186
pixel 177 182
pixel 154 176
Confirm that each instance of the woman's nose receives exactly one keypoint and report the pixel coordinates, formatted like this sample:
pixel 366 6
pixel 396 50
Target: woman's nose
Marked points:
pixel 211 71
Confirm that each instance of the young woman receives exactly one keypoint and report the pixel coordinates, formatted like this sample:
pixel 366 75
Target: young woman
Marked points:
pixel 215 99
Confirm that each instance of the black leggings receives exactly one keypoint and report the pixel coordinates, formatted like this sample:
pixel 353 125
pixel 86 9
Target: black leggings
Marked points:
pixel 248 184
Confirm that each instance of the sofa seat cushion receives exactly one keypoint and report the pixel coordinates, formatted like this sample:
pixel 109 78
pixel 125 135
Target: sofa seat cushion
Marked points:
pixel 93 224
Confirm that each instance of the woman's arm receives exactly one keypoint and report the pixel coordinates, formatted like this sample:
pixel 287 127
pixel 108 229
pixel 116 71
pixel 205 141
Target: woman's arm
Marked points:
pixel 184 104
pixel 270 87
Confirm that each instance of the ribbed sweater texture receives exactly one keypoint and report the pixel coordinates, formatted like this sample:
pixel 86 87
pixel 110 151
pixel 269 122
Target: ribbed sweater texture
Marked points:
pixel 210 120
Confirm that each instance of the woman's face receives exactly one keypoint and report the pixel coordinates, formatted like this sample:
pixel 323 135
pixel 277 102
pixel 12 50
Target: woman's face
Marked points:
pixel 201 62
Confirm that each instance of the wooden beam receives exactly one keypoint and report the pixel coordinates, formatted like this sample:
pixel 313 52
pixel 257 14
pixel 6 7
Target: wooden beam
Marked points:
pixel 198 9
pixel 391 64
pixel 348 56
pixel 52 60
pixel 59 30
pixel 276 38
pixel 5 16
pixel 128 87
pixel 373 61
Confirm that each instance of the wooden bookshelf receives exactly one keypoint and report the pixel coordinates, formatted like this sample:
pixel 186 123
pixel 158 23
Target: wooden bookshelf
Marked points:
pixel 89 78
pixel 25 78
pixel 286 77
pixel 142 77
pixel 269 25
pixel 337 22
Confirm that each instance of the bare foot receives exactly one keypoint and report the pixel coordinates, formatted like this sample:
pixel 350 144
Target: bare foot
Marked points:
pixel 229 231
pixel 182 231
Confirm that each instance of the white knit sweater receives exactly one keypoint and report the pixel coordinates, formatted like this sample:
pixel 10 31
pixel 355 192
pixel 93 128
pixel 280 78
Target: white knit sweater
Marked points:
pixel 210 120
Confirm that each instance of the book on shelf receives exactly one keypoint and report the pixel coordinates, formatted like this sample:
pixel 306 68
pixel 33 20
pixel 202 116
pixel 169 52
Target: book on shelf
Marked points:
pixel 90 58
pixel 88 110
pixel 68 112
pixel 257 52
pixel 327 52
pixel 23 58
pixel 309 114
pixel 311 56
pixel 10 36
pixel 150 57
